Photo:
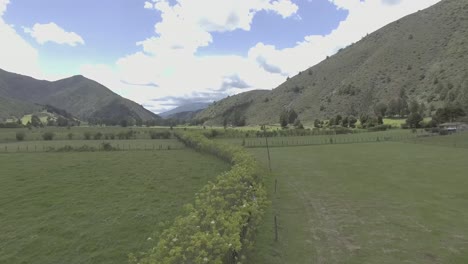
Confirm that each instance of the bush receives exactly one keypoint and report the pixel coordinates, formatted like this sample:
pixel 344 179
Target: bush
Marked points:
pixel 20 136
pixel 87 135
pixel 98 136
pixel 160 135
pixel 48 136
pixel 106 146
pixel 220 225
pixel 70 136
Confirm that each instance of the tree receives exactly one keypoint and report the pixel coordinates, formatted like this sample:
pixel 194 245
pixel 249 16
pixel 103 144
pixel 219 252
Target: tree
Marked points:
pixel 352 121
pixel 35 121
pixel 284 119
pixel 338 120
pixel 48 136
pixel 345 122
pixel 380 109
pixel 298 124
pixel 292 116
pixel 62 122
pixel 448 114
pixel 414 107
pixel 414 120
pixel 317 123
pixel 20 136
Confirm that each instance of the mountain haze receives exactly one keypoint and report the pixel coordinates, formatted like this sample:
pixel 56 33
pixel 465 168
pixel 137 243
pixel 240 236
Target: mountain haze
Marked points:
pixel 422 57
pixel 193 107
pixel 81 97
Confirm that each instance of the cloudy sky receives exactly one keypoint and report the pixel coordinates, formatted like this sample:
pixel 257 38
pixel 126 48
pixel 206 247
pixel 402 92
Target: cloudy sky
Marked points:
pixel 162 53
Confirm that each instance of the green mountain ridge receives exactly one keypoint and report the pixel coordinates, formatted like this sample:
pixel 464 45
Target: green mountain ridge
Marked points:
pixel 81 97
pixel 421 57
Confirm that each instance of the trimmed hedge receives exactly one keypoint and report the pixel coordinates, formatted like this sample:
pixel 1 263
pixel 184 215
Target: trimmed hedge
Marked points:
pixel 220 225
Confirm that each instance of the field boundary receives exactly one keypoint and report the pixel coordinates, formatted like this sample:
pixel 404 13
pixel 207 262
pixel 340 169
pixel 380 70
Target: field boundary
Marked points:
pixel 220 226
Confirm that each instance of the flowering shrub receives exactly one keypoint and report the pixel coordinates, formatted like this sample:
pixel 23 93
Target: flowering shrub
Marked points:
pixel 220 225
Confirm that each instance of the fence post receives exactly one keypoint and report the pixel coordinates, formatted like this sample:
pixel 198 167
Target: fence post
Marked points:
pixel 276 229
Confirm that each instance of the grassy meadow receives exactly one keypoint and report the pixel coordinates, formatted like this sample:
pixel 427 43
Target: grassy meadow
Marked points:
pixel 93 207
pixel 391 202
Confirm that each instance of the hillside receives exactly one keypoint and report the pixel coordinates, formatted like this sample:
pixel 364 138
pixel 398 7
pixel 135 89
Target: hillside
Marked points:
pixel 79 96
pixel 420 57
pixel 185 109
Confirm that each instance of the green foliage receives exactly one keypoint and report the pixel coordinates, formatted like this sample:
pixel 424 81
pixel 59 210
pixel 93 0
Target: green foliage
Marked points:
pixel 160 134
pixel 448 114
pixel 414 120
pixel 48 135
pixel 87 135
pixel 220 225
pixel 35 121
pixel 20 136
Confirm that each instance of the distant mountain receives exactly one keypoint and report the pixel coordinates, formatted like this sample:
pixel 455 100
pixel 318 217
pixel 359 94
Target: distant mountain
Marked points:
pixel 77 95
pixel 421 57
pixel 193 107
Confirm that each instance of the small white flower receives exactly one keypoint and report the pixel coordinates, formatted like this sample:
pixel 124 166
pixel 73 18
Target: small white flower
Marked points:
pixel 149 238
pixel 213 222
pixel 174 239
pixel 205 259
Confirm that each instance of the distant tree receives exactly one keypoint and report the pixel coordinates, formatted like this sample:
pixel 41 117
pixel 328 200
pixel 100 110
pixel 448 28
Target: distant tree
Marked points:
pixel 352 121
pixel 87 135
pixel 35 121
pixel 414 120
pixel 48 136
pixel 124 123
pixel 422 109
pixel 97 136
pixel 62 122
pixel 380 120
pixel 284 119
pixel 20 136
pixel 414 107
pixel 345 122
pixel 338 120
pixel 70 136
pixel 363 118
pixel 225 123
pixel 298 124
pixel 292 116
pixel 317 123
pixel 381 109
pixel 448 114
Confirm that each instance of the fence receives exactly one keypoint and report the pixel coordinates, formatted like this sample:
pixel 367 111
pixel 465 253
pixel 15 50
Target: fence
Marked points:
pixel 323 140
pixel 33 148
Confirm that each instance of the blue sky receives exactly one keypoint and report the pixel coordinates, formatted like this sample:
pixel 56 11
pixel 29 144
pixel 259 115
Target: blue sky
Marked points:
pixel 161 53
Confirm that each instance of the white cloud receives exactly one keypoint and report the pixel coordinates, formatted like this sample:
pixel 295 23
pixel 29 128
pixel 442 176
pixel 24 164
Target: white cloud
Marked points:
pixel 51 32
pixel 16 55
pixel 169 58
pixel 148 5
pixel 3 5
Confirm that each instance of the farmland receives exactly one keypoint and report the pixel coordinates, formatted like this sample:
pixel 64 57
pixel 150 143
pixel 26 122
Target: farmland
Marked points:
pixel 94 207
pixel 388 202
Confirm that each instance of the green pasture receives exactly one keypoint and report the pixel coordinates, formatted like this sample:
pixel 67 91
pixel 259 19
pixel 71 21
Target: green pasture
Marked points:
pixel 78 133
pixel 390 135
pixel 94 207
pixel 137 144
pixel 389 202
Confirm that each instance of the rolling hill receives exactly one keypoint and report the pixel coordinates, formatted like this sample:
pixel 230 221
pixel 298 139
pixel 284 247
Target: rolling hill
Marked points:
pixel 184 110
pixel 77 95
pixel 420 57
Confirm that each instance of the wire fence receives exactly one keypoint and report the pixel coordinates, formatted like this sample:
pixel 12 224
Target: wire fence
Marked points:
pixel 37 148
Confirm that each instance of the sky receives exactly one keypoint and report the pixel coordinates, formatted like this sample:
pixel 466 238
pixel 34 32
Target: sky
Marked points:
pixel 166 53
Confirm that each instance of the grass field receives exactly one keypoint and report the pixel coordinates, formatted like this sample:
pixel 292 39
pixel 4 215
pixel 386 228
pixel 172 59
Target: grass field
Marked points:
pixel 390 135
pixel 137 144
pixel 93 207
pixel 366 203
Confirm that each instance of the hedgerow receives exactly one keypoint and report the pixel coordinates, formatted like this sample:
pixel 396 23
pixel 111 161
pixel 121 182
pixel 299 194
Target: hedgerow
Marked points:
pixel 219 227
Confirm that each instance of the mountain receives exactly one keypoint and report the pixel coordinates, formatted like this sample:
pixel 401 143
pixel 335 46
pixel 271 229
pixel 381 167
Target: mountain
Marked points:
pixel 421 57
pixel 77 95
pixel 193 107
